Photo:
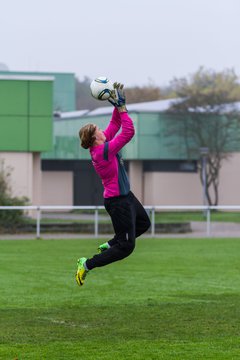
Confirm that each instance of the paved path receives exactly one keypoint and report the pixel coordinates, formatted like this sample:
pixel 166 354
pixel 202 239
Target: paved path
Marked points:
pixel 217 229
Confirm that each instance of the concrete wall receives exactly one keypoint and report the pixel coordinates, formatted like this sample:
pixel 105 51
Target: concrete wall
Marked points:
pixel 172 189
pixel 152 188
pixel 25 174
pixel 37 179
pixel 186 189
pixel 136 178
pixel 229 193
pixel 41 188
pixel 57 188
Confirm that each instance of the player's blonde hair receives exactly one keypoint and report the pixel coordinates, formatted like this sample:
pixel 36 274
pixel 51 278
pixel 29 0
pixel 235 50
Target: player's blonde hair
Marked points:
pixel 87 135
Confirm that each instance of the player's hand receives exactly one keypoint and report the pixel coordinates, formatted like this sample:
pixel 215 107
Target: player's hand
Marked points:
pixel 117 97
pixel 120 94
pixel 113 97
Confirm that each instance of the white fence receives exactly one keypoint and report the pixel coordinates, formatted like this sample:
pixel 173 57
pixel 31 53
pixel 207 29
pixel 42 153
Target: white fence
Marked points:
pixel 151 209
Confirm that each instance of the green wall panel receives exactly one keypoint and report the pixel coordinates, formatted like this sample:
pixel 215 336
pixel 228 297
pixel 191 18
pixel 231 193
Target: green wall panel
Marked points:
pixel 40 98
pixel 13 133
pixel 150 140
pixel 13 97
pixel 149 124
pixel 67 143
pixel 64 88
pixel 40 133
pixel 26 115
pixel 68 147
pixel 157 136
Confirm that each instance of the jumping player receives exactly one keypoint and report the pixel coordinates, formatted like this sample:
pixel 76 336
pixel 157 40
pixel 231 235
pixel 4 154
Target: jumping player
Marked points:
pixel 128 216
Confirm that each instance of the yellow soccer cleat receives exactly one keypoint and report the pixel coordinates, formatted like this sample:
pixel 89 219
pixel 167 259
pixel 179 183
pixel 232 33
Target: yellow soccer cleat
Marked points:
pixel 81 271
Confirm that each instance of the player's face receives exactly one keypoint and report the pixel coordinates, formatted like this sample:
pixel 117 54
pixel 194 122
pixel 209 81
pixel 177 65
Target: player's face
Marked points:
pixel 99 134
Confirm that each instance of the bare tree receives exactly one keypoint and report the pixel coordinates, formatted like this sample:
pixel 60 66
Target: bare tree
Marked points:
pixel 207 118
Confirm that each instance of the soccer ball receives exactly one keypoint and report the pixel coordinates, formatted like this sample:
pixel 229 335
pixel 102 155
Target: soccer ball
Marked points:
pixel 101 88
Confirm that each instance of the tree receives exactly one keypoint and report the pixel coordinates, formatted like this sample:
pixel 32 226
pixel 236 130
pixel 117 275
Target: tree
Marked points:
pixel 141 94
pixel 207 118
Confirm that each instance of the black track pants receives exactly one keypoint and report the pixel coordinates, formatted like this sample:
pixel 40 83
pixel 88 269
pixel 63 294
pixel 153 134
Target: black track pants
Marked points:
pixel 129 220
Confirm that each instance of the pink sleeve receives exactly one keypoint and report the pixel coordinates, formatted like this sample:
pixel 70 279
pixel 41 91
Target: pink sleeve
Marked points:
pixel 114 125
pixel 127 133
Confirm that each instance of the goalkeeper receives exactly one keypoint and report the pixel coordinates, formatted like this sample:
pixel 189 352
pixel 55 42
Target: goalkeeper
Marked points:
pixel 128 216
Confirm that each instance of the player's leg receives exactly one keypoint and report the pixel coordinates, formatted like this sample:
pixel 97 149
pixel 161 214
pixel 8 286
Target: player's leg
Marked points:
pixel 123 217
pixel 143 222
pixel 122 214
pixel 107 244
pixel 109 205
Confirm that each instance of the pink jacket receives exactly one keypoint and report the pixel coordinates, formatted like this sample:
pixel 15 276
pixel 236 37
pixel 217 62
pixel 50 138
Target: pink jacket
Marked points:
pixel 106 159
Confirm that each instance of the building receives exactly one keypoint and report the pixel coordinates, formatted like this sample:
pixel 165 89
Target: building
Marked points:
pixel 50 168
pixel 26 107
pixel 64 88
pixel 159 172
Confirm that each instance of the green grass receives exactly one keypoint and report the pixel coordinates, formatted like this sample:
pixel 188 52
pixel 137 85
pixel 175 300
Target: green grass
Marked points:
pixel 171 299
pixel 181 216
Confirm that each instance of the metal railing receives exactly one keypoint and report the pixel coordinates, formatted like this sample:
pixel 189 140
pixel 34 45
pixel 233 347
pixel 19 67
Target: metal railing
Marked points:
pixel 151 209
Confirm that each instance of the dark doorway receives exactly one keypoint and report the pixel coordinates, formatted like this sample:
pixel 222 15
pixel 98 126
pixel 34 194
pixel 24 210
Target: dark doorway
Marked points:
pixel 88 189
pixel 87 186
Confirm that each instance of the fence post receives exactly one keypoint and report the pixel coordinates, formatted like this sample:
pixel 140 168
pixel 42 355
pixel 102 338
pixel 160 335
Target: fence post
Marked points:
pixel 38 223
pixel 96 223
pixel 208 221
pixel 153 222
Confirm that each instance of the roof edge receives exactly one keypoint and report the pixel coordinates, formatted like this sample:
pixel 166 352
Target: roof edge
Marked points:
pixel 24 77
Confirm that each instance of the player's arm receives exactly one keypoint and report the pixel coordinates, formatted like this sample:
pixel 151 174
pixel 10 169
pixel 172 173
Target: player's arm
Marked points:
pixel 114 125
pixel 118 100
pixel 126 134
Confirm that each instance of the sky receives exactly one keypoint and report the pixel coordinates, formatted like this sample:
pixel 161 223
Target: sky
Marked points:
pixel 136 42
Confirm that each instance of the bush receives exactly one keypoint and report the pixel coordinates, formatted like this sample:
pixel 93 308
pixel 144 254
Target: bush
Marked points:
pixel 9 218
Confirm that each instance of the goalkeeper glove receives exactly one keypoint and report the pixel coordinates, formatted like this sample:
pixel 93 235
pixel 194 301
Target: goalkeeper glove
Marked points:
pixel 117 97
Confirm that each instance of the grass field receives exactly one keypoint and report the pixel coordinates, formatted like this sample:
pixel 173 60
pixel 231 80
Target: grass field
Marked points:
pixel 171 299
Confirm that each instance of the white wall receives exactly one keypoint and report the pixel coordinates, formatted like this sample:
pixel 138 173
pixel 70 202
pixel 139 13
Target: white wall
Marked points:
pixel 21 169
pixel 186 189
pixel 229 191
pixel 37 179
pixel 136 178
pixel 57 188
pixel 172 189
